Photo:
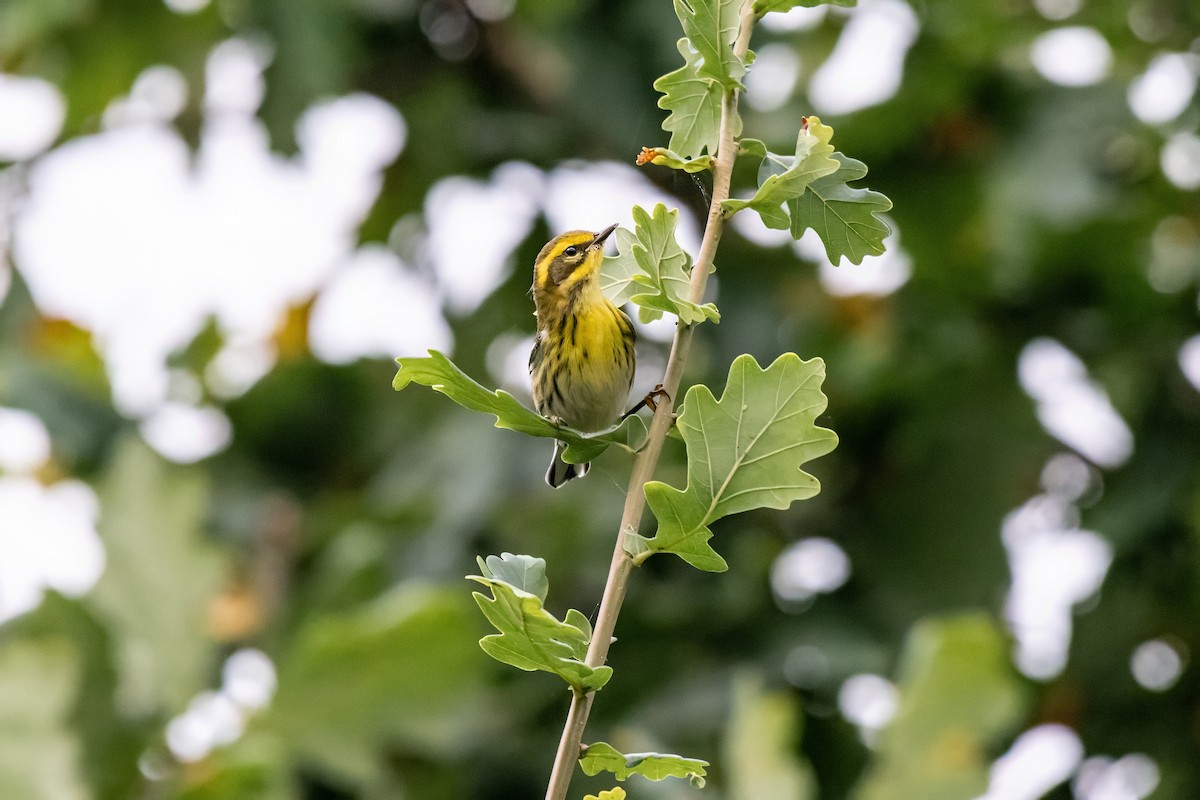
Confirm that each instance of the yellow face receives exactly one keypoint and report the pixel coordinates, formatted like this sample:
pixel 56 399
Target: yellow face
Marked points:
pixel 568 259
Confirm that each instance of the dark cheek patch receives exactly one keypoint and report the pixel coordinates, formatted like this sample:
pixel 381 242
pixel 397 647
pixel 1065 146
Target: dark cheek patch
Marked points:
pixel 564 267
pixel 559 271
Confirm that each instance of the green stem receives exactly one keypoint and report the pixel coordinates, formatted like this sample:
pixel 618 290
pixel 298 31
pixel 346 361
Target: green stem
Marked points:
pixel 643 468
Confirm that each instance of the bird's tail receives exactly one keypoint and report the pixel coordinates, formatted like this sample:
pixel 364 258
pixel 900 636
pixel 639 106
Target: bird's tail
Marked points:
pixel 559 471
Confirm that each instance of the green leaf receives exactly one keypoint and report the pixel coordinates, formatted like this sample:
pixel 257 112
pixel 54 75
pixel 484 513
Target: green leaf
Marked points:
pixel 151 527
pixel 531 638
pixel 111 742
pixel 959 698
pixel 616 272
pixel 752 147
pixel 603 757
pixel 442 375
pixel 695 105
pixel 785 178
pixel 652 270
pixel 401 669
pixel 663 157
pixel 576 619
pixel 526 573
pixel 26 24
pixel 712 27
pixel 39 755
pixel 765 6
pixel 255 767
pixel 809 190
pixel 762 744
pixel 744 451
pixel 847 220
pixel 615 793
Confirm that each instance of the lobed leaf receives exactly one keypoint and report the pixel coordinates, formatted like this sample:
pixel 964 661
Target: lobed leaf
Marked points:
pixel 530 637
pixel 603 757
pixel 809 190
pixel 744 452
pixel 752 147
pixel 712 27
pixel 785 178
pixel 615 793
pixel 765 6
pixel 526 573
pixel 664 157
pixel 695 105
pixel 442 375
pixel 652 270
pixel 847 220
pixel 616 272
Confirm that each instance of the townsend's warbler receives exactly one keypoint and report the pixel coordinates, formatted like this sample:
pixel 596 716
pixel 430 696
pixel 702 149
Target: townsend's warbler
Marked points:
pixel 582 360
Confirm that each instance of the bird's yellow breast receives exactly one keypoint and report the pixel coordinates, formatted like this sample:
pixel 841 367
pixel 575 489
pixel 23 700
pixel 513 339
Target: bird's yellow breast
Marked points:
pixel 587 362
pixel 599 365
pixel 599 333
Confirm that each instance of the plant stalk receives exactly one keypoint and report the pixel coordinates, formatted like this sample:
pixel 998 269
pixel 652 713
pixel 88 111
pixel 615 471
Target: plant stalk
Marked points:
pixel 647 460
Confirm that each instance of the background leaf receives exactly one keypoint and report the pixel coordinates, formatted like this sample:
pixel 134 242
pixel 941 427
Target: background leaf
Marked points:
pixel 744 452
pixel 151 528
pixel 761 744
pixel 959 696
pixel 402 668
pixel 40 757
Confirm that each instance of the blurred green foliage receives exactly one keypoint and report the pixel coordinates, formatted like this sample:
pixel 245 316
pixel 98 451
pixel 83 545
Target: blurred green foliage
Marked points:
pixel 334 533
pixel 960 696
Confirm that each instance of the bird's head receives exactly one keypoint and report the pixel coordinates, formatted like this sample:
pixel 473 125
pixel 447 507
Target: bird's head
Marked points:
pixel 568 260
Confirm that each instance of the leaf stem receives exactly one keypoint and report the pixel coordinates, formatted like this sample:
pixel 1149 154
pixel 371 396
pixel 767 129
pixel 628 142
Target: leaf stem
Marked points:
pixel 643 468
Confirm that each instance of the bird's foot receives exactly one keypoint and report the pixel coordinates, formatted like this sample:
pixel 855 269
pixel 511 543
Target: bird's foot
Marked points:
pixel 649 401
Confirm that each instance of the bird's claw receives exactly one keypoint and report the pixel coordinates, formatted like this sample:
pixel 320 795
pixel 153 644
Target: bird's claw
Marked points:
pixel 656 393
pixel 649 401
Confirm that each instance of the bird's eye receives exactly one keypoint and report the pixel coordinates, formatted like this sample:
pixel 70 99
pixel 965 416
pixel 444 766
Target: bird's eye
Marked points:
pixel 571 251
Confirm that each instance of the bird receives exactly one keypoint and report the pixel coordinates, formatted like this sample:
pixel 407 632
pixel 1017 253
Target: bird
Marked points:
pixel 583 358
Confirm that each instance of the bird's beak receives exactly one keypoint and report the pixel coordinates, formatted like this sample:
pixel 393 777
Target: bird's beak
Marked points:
pixel 598 242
